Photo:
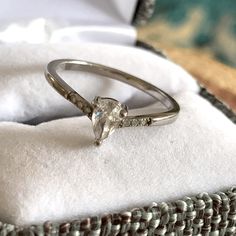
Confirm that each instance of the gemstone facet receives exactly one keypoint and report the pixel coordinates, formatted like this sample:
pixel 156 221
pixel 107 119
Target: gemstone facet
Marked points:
pixel 106 117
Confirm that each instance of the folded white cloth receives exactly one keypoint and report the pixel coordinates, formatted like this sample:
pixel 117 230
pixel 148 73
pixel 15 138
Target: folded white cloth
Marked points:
pixel 53 171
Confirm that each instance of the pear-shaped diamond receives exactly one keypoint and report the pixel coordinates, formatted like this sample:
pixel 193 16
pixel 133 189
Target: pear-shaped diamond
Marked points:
pixel 106 117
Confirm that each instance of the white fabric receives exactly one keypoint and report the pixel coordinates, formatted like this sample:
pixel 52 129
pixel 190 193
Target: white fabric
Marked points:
pixel 53 171
pixel 77 12
pixel 73 20
pixel 41 30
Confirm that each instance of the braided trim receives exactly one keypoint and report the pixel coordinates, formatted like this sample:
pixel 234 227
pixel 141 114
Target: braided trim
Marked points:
pixel 218 104
pixel 149 47
pixel 143 12
pixel 199 215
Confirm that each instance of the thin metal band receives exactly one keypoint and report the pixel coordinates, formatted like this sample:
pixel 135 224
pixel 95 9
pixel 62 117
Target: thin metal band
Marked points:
pixel 86 107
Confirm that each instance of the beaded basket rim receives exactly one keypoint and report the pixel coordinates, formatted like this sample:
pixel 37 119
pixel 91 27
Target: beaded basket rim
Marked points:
pixel 202 214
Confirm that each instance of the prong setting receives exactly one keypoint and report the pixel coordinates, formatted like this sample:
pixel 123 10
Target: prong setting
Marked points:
pixel 107 116
pixel 124 111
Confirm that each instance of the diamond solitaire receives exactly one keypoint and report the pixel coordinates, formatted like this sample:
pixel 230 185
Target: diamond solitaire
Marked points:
pixel 107 116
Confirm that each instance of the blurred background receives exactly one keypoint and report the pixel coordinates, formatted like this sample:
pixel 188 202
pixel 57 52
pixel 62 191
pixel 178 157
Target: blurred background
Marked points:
pixel 201 37
pixel 204 24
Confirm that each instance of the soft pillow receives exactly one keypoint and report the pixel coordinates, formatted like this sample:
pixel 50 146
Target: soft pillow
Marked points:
pixel 53 171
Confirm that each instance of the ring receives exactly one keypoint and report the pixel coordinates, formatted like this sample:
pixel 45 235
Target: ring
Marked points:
pixel 108 114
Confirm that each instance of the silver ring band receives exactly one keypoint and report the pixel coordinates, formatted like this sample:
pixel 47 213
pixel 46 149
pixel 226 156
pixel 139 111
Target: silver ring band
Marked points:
pixel 104 111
